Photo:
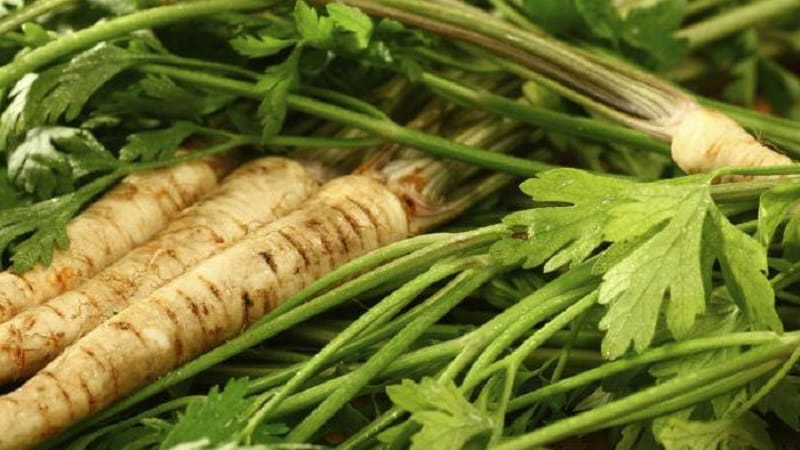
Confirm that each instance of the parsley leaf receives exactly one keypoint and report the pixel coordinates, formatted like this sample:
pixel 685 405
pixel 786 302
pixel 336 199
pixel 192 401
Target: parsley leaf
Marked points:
pixel 43 225
pixel 12 121
pixel 744 270
pixel 748 431
pixel 156 144
pixel 564 235
pixel 669 263
pixel 448 420
pixel 774 206
pixel 52 159
pixel 644 33
pixel 9 196
pixel 213 419
pixel 658 267
pixel 352 22
pixel 64 90
pixel 260 45
pixel 784 401
pixel 276 84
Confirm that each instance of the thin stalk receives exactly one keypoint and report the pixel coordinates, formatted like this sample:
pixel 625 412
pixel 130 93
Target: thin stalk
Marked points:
pixel 696 396
pixel 523 325
pixel 638 94
pixel 549 120
pixel 442 302
pixel 651 356
pixel 120 26
pixel 765 358
pixel 765 389
pixel 729 22
pixel 31 12
pixel 435 145
pixel 531 307
pixel 375 316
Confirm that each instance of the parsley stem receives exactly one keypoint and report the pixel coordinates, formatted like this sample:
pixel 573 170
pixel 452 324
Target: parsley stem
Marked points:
pixel 671 395
pixel 441 303
pixel 550 120
pixel 17 18
pixel 102 31
pixel 698 395
pixel 723 25
pixel 435 145
pixel 651 356
pixel 375 316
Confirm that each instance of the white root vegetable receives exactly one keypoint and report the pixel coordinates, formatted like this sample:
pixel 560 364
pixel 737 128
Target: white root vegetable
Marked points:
pixel 705 140
pixel 202 308
pixel 253 195
pixel 125 217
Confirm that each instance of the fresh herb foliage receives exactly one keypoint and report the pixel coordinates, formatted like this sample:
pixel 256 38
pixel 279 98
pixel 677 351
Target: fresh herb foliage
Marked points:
pixel 643 33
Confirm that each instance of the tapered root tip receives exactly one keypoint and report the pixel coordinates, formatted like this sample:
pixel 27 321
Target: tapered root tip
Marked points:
pixel 705 140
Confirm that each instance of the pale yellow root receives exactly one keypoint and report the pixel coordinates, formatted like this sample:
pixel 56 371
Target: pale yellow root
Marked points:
pixel 705 140
pixel 199 310
pixel 255 194
pixel 127 216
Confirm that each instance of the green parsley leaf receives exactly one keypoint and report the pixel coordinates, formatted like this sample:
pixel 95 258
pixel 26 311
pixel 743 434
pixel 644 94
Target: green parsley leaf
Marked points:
pixel 784 401
pixel 52 159
pixel 602 19
pixel 561 235
pixel 773 208
pixel 43 225
pixel 644 33
pixel 259 46
pixel 352 22
pixel 781 88
pixel 555 16
pixel 658 267
pixel 9 196
pixel 12 121
pixel 668 264
pixel 156 144
pixel 276 84
pixel 312 27
pixel 448 420
pixel 64 90
pixel 744 269
pixel 647 33
pixel 744 86
pixel 748 431
pixel 791 237
pixel 213 419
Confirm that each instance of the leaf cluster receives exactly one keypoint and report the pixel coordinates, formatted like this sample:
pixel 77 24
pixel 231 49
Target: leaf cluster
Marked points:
pixel 643 33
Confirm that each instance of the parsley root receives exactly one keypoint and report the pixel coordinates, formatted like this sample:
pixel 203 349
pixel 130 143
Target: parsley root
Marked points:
pixel 256 193
pixel 202 308
pixel 127 216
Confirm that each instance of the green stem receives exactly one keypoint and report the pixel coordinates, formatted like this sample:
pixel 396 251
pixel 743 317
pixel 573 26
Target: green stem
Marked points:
pixel 776 378
pixel 102 31
pixel 442 302
pixel 665 352
pixel 729 22
pixel 435 145
pixel 601 416
pixel 16 19
pixel 695 396
pixel 549 120
pixel 375 316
